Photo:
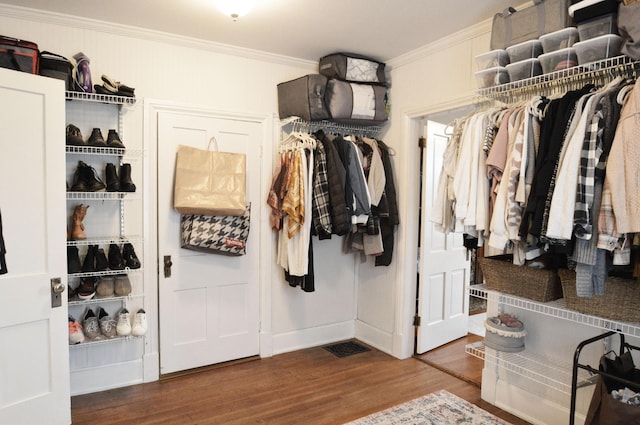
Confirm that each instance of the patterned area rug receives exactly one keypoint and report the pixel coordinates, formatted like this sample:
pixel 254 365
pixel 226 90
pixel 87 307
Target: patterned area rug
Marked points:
pixel 441 408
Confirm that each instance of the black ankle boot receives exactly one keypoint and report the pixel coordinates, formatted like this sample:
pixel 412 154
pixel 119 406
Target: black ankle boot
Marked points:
pixel 126 184
pixel 130 257
pixel 96 139
pixel 101 260
pixel 113 140
pixel 79 184
pixel 92 180
pixel 73 260
pixel 116 262
pixel 113 182
pixel 89 264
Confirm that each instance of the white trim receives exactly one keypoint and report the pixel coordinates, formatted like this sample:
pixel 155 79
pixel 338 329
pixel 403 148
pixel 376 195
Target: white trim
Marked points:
pixel 24 13
pixel 313 337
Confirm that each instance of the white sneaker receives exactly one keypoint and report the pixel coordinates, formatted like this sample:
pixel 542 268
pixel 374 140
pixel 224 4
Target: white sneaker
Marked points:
pixel 139 323
pixel 124 327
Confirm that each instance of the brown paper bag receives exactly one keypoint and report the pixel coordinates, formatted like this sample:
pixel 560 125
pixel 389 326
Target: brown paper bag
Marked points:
pixel 209 182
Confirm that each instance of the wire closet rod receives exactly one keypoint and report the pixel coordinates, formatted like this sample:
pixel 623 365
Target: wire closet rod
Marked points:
pixel 598 73
pixel 300 125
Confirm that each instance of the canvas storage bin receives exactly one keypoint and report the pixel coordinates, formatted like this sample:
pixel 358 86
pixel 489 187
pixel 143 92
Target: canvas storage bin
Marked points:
pixel 354 103
pixel 352 67
pixel 516 26
pixel 304 98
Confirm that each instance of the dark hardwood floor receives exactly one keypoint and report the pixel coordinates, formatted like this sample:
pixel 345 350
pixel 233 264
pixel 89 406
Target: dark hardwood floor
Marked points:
pixel 453 359
pixel 307 387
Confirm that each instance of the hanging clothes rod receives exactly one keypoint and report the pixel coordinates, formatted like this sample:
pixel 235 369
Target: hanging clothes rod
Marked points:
pixel 558 82
pixel 297 124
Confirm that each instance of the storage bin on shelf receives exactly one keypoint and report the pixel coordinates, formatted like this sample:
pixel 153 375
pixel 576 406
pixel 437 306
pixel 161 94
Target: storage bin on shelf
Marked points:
pixel 598 26
pixel 585 10
pixel 599 48
pixel 558 60
pixel 527 282
pixel 491 59
pixel 621 299
pixel 525 50
pixel 524 69
pixel 492 77
pixel 558 40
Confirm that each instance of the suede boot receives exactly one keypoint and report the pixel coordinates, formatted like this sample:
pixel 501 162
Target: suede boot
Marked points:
pixel 101 259
pixel 73 260
pixel 96 139
pixel 113 140
pixel 89 263
pixel 77 230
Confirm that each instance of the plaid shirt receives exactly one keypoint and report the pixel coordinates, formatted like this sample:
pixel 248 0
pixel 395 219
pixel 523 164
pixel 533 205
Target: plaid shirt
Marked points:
pixel 321 207
pixel 589 159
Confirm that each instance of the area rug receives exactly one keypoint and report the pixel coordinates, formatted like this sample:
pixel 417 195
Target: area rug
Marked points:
pixel 440 408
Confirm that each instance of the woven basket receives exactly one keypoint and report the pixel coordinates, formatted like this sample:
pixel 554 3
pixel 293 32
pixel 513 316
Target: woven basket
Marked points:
pixel 621 299
pixel 527 282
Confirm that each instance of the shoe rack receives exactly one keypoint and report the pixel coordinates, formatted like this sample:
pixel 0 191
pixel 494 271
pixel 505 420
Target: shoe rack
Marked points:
pixel 112 217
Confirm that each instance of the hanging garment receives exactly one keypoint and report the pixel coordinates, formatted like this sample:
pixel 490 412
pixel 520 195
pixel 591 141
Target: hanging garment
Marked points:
pixel 321 200
pixel 336 176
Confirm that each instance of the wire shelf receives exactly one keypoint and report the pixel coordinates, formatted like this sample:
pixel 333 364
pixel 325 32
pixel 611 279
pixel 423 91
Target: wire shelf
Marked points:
pixel 99 300
pixel 544 370
pixel 102 196
pixel 104 340
pixel 94 150
pixel 105 240
pixel 298 124
pixel 598 72
pixel 126 270
pixel 101 98
pixel 555 309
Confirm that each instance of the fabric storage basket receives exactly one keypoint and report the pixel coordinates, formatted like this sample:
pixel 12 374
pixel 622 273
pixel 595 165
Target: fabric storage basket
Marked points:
pixel 353 103
pixel 352 67
pixel 304 98
pixel 621 299
pixel 527 282
pixel 515 26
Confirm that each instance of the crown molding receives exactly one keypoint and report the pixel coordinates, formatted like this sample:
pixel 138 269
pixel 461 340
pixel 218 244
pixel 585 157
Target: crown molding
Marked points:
pixel 427 50
pixel 36 15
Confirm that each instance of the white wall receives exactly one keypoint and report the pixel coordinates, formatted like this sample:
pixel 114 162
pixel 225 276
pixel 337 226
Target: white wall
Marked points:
pixel 217 77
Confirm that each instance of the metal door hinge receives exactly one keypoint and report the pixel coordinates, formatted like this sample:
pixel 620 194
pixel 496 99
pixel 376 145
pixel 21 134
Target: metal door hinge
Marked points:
pixel 416 320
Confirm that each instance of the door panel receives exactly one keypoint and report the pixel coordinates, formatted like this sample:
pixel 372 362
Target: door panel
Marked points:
pixel 444 267
pixel 34 352
pixel 209 307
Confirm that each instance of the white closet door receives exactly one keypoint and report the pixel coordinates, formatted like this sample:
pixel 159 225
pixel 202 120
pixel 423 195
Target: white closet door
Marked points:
pixel 34 350
pixel 444 268
pixel 209 304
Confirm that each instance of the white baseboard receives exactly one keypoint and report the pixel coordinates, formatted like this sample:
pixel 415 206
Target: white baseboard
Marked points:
pixel 312 337
pixel 374 337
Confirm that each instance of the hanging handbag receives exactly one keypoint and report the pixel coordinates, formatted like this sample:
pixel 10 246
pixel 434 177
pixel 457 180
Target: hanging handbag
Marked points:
pixel 225 235
pixel 209 182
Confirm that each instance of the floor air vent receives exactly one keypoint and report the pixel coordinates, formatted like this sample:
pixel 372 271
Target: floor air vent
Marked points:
pixel 344 349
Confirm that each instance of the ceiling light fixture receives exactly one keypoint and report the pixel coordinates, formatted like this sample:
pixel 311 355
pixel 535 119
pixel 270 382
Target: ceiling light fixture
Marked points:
pixel 235 8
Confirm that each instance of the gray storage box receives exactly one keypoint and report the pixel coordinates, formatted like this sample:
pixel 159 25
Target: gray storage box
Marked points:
pixel 304 98
pixel 354 103
pixel 352 67
pixel 516 26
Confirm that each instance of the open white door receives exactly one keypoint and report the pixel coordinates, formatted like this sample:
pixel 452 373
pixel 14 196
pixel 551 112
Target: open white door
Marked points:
pixel 34 350
pixel 209 304
pixel 444 268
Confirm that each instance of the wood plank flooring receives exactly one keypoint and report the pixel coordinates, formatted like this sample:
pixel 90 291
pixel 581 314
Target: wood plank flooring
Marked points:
pixel 453 359
pixel 307 387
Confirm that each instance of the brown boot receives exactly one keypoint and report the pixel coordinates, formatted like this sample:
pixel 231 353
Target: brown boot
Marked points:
pixel 77 231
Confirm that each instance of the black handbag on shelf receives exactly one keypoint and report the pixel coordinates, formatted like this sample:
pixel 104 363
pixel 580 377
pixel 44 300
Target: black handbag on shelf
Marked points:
pixel 57 66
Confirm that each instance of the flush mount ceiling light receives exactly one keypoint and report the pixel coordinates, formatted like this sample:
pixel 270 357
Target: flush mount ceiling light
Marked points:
pixel 235 8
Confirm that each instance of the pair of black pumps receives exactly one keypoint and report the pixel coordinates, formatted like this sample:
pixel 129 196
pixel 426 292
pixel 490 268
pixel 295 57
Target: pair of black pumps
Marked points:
pixel 96 260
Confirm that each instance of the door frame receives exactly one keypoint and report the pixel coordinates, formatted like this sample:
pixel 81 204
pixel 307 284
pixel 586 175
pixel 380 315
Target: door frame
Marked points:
pixel 152 107
pixel 411 122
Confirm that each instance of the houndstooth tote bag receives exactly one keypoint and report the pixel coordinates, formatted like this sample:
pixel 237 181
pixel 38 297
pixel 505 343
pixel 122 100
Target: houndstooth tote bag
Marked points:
pixel 216 234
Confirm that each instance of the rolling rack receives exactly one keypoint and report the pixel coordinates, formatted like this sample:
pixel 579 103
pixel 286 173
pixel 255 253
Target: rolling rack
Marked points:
pixel 577 365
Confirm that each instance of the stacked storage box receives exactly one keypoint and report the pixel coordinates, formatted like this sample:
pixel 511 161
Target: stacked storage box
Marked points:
pixel 349 89
pixel 598 30
pixel 559 52
pixel 492 68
